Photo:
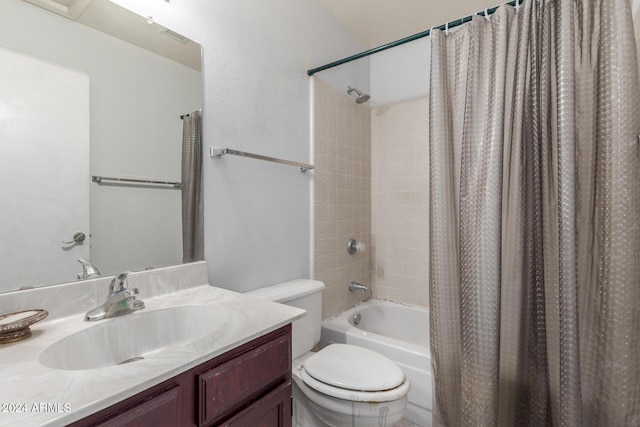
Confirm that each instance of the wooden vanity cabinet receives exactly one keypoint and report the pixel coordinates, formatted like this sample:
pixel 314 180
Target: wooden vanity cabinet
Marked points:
pixel 247 386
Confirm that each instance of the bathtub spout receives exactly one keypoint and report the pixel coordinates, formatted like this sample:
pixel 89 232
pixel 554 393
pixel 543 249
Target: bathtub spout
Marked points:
pixel 355 286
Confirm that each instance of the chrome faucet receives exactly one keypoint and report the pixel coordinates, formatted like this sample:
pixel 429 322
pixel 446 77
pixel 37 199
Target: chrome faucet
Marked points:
pixel 89 271
pixel 121 300
pixel 355 286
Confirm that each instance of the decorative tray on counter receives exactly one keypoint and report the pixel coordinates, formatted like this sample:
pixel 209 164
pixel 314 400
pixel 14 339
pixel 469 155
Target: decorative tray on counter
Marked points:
pixel 15 326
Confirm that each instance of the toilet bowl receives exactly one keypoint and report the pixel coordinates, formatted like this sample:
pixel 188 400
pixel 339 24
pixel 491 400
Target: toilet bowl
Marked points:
pixel 346 385
pixel 342 384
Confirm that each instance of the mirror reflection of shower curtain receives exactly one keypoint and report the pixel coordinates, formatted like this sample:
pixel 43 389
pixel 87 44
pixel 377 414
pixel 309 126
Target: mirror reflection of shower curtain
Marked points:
pixel 192 203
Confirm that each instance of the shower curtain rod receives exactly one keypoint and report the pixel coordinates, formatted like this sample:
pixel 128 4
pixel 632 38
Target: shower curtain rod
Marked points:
pixel 408 39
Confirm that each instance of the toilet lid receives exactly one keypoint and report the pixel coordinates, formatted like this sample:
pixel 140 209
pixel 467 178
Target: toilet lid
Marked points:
pixel 353 368
pixel 395 394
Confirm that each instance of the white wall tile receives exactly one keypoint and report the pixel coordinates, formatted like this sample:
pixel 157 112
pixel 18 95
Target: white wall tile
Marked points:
pixel 400 216
pixel 342 196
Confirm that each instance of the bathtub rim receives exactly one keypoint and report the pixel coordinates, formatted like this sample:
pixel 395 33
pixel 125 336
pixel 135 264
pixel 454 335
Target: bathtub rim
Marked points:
pixel 341 323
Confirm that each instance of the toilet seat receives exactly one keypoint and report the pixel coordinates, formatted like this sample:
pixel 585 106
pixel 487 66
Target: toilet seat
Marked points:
pixel 354 373
pixel 356 396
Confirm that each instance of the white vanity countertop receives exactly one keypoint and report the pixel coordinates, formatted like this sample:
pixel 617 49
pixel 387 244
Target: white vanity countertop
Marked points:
pixel 32 394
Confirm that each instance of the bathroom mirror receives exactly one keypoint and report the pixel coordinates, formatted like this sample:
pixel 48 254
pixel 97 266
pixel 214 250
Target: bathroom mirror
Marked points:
pixel 96 90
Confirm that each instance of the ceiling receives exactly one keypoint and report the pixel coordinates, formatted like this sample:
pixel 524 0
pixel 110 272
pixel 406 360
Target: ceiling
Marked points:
pixel 377 22
pixel 109 18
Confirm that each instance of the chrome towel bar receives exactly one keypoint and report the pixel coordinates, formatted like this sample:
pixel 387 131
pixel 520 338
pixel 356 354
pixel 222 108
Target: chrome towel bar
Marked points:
pixel 99 180
pixel 219 152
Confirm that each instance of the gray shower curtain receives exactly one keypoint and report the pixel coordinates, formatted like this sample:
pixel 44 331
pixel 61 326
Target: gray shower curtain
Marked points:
pixel 192 203
pixel 534 227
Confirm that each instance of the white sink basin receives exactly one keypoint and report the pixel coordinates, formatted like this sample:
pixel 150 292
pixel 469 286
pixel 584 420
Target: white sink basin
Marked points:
pixel 136 336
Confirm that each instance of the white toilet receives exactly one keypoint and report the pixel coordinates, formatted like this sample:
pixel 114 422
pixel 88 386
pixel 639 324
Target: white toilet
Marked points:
pixel 340 385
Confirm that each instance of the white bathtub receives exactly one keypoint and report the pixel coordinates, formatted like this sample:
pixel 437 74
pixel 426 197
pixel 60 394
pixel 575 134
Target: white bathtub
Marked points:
pixel 401 333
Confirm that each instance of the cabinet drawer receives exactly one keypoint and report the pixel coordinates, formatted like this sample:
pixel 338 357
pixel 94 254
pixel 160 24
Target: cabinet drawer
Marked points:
pixel 160 409
pixel 236 383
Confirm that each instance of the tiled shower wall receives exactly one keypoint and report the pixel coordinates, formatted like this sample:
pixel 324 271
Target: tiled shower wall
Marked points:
pixel 342 196
pixel 400 208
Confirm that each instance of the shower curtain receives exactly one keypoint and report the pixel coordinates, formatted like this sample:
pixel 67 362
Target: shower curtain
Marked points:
pixel 192 203
pixel 534 228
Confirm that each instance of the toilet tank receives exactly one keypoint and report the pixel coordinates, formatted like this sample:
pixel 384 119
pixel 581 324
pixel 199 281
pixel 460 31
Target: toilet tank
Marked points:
pixel 301 293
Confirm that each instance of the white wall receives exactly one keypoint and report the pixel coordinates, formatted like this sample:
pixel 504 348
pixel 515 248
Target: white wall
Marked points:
pixel 401 73
pixel 257 214
pixel 135 131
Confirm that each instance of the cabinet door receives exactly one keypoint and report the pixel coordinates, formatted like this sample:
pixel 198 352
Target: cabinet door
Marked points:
pixel 228 387
pixel 158 410
pixel 274 410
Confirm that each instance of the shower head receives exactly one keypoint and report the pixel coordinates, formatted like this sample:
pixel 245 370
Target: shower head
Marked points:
pixel 362 97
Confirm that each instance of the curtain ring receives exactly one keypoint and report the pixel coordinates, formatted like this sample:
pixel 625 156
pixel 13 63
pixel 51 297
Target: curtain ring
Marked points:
pixel 446 29
pixel 486 13
pixel 517 5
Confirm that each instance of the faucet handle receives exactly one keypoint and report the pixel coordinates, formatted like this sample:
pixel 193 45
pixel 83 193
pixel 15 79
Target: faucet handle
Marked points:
pixel 119 283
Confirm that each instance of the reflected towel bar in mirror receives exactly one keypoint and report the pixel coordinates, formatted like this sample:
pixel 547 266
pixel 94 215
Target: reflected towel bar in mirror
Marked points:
pixel 99 180
pixel 219 152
